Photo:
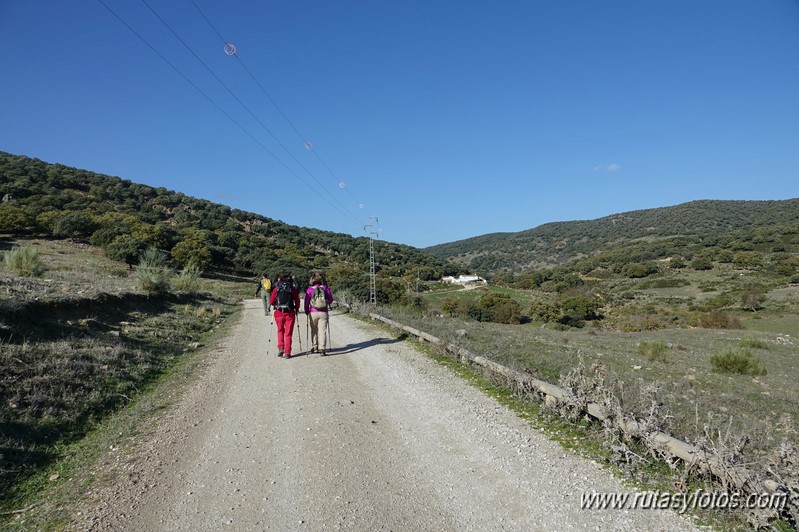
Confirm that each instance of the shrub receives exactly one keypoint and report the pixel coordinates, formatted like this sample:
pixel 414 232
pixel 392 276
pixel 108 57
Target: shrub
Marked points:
pixel 188 280
pixel 546 311
pixel 753 343
pixel 73 225
pixel 677 262
pixel 702 263
pixel 740 361
pixel 193 251
pixel 126 249
pixel 414 301
pixel 653 351
pixel 509 313
pixel 719 320
pixel 450 306
pixel 500 308
pixel 473 310
pixel 24 261
pixel 752 299
pixel 637 270
pixel 717 302
pixel 747 259
pixel 650 323
pixel 581 307
pixel 14 219
pixel 672 282
pixel 104 236
pixel 153 273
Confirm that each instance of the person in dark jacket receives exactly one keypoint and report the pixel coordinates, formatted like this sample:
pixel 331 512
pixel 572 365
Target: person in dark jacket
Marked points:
pixel 316 310
pixel 286 304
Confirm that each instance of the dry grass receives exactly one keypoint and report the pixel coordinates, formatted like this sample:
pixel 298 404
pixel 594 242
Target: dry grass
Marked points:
pixel 79 344
pixel 71 271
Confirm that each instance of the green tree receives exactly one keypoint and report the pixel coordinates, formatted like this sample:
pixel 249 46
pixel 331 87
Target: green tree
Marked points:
pixel 702 263
pixel 787 266
pixel 677 262
pixel 14 219
pixel 74 225
pixel 500 308
pixel 581 307
pixel 192 252
pixel 450 306
pixel 546 311
pixel 637 270
pixel 105 235
pixel 509 312
pixel 747 259
pixel 158 236
pixel 343 273
pixel 752 299
pixel 125 249
pixel 389 290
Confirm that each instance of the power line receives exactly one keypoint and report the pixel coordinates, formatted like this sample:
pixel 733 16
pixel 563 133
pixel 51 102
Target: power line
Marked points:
pixel 308 145
pixel 212 102
pixel 242 104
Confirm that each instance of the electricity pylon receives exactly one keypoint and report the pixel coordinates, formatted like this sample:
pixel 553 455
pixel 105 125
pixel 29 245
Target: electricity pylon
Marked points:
pixel 372 281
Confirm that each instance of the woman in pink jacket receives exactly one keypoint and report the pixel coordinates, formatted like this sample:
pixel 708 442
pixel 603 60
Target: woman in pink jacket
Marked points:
pixel 317 302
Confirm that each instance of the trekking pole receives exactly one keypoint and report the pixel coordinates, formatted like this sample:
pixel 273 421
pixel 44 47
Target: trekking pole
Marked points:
pixel 299 334
pixel 329 336
pixel 307 341
pixel 269 340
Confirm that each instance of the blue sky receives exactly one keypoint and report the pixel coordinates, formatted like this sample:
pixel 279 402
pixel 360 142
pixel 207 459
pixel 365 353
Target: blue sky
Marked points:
pixel 443 119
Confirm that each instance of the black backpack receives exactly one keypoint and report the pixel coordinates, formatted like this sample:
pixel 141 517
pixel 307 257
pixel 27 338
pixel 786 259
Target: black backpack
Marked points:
pixel 284 300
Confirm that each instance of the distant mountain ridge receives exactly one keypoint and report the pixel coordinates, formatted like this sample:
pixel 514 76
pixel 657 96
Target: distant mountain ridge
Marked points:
pixel 558 242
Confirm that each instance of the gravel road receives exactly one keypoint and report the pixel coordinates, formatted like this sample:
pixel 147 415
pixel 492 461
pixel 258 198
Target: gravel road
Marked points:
pixel 375 436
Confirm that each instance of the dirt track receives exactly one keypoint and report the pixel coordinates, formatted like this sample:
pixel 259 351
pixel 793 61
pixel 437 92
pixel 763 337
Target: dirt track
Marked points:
pixel 374 437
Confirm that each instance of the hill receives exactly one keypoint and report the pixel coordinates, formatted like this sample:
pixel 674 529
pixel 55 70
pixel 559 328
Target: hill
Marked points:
pixel 560 242
pixel 125 218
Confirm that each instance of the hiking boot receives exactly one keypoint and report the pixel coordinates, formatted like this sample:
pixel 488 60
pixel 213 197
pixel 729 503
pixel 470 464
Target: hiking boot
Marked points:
pixel 286 356
pixel 324 353
pixel 280 352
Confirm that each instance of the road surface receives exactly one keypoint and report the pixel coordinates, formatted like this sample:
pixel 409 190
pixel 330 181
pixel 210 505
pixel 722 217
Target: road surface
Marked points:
pixel 375 436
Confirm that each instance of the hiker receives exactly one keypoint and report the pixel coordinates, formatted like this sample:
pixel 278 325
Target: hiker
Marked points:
pixel 286 303
pixel 265 289
pixel 317 302
pixel 296 283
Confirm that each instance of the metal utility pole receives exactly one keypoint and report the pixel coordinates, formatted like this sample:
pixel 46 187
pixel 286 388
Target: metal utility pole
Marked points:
pixel 372 280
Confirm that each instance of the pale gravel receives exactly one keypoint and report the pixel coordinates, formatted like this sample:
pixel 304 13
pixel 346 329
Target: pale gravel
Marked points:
pixel 376 436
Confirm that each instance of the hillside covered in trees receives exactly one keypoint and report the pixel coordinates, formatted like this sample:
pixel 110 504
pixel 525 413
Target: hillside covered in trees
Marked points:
pixel 699 227
pixel 125 218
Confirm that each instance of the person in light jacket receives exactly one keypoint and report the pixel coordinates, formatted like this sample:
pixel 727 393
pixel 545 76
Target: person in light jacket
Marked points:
pixel 265 289
pixel 318 299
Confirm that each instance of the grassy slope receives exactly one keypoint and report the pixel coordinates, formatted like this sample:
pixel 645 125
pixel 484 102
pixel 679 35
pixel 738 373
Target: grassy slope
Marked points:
pixel 764 407
pixel 79 344
pixel 558 242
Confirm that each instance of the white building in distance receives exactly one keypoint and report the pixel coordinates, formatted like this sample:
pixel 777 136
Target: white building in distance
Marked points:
pixel 463 279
